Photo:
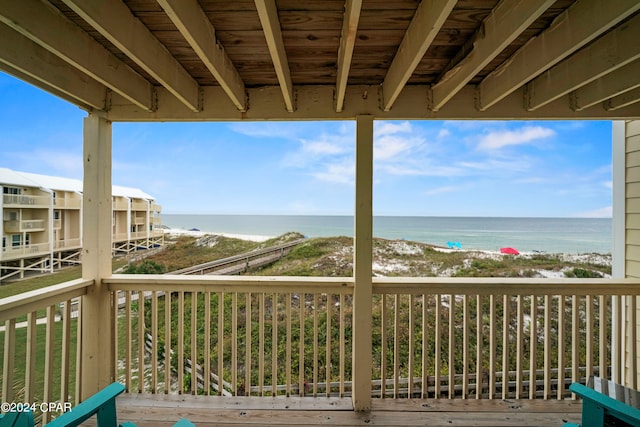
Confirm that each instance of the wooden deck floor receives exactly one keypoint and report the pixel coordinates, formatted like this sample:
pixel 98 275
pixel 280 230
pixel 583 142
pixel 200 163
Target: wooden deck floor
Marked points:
pixel 164 410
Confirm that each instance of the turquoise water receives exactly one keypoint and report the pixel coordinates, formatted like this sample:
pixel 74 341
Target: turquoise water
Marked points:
pixel 567 235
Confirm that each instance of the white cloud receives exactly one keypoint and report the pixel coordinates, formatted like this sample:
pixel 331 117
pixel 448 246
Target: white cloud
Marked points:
pixel 386 128
pixel 442 190
pixel 388 147
pixel 526 135
pixel 341 172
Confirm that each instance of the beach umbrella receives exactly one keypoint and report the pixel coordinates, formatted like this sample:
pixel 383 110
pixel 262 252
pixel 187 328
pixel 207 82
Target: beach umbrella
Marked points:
pixel 509 251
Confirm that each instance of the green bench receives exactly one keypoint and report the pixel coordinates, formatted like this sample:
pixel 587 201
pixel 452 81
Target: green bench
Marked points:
pixel 605 403
pixel 102 405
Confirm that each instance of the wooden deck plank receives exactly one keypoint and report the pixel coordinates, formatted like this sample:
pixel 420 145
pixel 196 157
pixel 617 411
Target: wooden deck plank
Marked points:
pixel 209 411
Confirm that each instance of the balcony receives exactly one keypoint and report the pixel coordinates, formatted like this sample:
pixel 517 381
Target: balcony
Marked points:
pixel 24 251
pixel 68 244
pixel 25 225
pixel 457 349
pixel 19 201
pixel 70 203
pixel 120 204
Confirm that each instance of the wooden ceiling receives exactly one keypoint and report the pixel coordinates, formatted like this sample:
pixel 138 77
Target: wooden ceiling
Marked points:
pixel 329 59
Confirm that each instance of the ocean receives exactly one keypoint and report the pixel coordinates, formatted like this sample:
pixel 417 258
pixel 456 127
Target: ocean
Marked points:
pixel 551 235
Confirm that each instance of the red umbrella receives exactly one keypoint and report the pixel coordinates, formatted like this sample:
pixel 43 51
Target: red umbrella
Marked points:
pixel 509 251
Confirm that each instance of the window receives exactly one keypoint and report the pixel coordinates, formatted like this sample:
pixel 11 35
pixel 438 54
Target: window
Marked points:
pixel 11 190
pixel 16 240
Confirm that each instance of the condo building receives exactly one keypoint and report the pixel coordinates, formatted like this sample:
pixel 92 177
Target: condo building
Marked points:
pixel 42 222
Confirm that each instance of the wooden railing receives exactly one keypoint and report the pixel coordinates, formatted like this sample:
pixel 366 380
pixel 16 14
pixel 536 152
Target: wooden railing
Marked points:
pixel 432 337
pixel 41 349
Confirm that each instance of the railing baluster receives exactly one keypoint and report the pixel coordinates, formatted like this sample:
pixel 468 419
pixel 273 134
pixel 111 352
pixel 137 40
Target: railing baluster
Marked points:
pixel 561 346
pixel 547 347
pixel 302 298
pixel 438 345
pixel 261 354
pixel 167 342
pixel 492 346
pixel 30 359
pixel 154 342
pixel 396 345
pixel 316 357
pixel 383 350
pixel 602 334
pixel 234 344
pixel 575 343
pixel 289 351
pixel 506 300
pixel 411 349
pixel 465 346
pixel 248 333
pixel 274 344
pixel 65 354
pixel 617 339
pixel 180 342
pixel 450 361
pixel 78 353
pixel 47 395
pixel 207 344
pixel 128 340
pixel 632 345
pixel 425 371
pixel 519 347
pixel 194 343
pixel 533 347
pixel 328 346
pixel 141 342
pixel 220 340
pixel 342 345
pixel 479 347
pixel 588 300
pixel 8 361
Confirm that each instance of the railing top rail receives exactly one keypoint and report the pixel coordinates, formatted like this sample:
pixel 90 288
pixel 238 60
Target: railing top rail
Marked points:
pixel 221 283
pixel 17 305
pixel 505 286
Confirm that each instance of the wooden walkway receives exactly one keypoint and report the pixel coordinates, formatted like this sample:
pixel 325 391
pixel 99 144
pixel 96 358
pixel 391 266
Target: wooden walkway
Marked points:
pixel 207 411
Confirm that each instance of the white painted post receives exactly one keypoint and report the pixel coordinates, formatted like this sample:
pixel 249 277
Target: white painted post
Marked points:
pixel 362 270
pixel 97 326
pixel 619 245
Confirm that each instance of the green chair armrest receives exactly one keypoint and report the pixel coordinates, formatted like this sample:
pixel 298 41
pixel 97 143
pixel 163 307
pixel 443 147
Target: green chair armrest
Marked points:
pixel 102 404
pixel 596 404
pixel 17 419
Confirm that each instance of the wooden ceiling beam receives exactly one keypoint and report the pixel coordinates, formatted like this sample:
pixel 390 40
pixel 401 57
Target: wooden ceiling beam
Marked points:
pixel 345 52
pixel 268 13
pixel 506 22
pixel 424 27
pixel 196 28
pixel 114 21
pixel 613 84
pixel 580 24
pixel 29 61
pixel 46 26
pixel 615 49
pixel 625 99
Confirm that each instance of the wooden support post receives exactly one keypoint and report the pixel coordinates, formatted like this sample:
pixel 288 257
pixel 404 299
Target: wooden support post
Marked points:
pixel 362 270
pixel 97 325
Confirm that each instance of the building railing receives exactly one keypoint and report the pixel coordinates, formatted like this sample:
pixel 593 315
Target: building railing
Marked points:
pixel 40 345
pixel 62 202
pixel 24 200
pixel 68 244
pixel 496 338
pixel 139 205
pixel 25 225
pixel 22 251
pixel 264 336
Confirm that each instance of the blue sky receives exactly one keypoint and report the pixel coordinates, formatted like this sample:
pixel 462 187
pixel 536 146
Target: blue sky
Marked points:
pixel 430 168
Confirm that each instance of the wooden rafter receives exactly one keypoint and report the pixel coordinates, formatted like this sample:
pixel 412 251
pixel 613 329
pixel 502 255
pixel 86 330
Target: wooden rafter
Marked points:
pixel 47 27
pixel 196 28
pixel 268 13
pixel 623 100
pixel 610 52
pixel 114 21
pixel 499 29
pixel 608 86
pixel 424 27
pixel 581 23
pixel 345 53
pixel 26 59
